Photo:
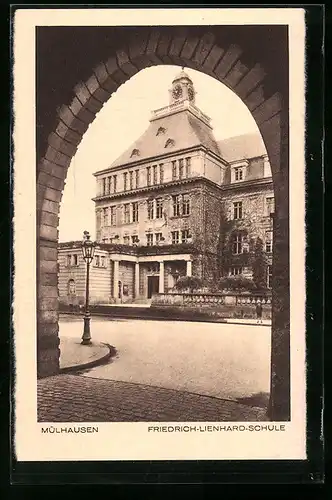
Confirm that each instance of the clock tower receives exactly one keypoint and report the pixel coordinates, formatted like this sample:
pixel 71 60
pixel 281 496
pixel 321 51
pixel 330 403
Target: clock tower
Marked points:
pixel 182 89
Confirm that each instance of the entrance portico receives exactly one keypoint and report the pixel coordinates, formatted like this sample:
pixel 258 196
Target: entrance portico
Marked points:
pixel 147 274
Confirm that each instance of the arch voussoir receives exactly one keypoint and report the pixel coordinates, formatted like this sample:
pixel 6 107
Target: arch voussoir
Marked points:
pixel 126 65
pixel 55 156
pixel 230 56
pixel 188 51
pixel 268 108
pixel 163 47
pixel 66 133
pixel 67 116
pixel 115 72
pixel 236 73
pixel 87 94
pixel 203 49
pixel 138 52
pixel 81 112
pixel 53 169
pixel 61 145
pixel 212 60
pixel 106 84
pixel 250 81
pixel 151 48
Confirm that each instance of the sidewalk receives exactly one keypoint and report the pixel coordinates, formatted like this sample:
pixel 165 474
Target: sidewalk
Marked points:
pixel 75 398
pixel 75 356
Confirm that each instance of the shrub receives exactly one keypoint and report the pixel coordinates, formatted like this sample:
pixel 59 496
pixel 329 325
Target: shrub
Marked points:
pixel 236 283
pixel 188 283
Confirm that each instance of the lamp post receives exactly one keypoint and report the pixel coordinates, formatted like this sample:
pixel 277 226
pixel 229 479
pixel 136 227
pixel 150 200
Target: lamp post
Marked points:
pixel 88 249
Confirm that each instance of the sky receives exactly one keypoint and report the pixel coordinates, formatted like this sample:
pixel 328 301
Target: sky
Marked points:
pixel 123 119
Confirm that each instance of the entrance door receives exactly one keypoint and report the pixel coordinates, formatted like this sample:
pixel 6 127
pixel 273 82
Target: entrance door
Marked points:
pixel 153 285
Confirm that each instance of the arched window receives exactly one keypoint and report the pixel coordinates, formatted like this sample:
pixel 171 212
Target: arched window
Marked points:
pixel 71 287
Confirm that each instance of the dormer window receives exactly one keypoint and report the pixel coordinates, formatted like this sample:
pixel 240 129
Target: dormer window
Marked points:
pixel 169 143
pixel 161 131
pixel 239 170
pixel 135 152
pixel 238 173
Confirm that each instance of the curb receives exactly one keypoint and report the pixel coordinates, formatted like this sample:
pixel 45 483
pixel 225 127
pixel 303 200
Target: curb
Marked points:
pixel 90 364
pixel 167 318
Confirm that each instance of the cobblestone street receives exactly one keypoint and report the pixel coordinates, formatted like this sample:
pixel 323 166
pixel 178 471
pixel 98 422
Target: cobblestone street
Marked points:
pixel 68 398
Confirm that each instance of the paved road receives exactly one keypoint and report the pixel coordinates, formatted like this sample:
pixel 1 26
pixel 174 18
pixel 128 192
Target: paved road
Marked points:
pixel 73 398
pixel 220 360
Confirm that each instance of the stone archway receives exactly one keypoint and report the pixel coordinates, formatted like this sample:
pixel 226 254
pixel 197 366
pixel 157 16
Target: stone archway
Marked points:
pixel 268 104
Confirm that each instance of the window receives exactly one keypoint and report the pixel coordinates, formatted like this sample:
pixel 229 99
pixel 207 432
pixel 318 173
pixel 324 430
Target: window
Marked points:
pixel 134 239
pixel 158 237
pixel 125 175
pixel 237 210
pixel 176 205
pixel 175 237
pixel 150 209
pixel 155 172
pixel 235 271
pixel 188 167
pixel 174 170
pixel 268 241
pixel 185 204
pixel 161 173
pixel 269 277
pixel 181 167
pixel 159 208
pixel 237 243
pixel 113 216
pixel 114 183
pixel 104 185
pixel 135 211
pixel 137 178
pixel 160 131
pixel 71 287
pixel 270 205
pixel 135 152
pixel 126 213
pixel 130 180
pixel 103 261
pixel 238 173
pixel 74 260
pixel 169 143
pixel 68 260
pixel 105 216
pixel 126 240
pixel 185 233
pixel 109 184
pixel 97 261
pixel 148 176
pixel 149 240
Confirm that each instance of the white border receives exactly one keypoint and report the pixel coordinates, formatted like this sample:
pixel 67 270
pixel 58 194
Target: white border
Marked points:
pixel 121 441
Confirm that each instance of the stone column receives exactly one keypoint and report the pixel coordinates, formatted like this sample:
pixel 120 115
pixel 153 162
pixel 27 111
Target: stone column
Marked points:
pixel 189 268
pixel 136 280
pixel 161 277
pixel 115 279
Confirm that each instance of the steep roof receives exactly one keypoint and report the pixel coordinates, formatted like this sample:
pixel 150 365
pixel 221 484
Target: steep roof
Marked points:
pixel 242 146
pixel 183 129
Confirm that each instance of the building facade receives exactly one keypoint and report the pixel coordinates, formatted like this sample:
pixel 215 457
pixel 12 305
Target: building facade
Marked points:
pixel 176 203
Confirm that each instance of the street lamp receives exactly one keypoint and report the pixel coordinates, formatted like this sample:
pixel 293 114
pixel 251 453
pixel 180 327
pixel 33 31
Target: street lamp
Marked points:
pixel 88 249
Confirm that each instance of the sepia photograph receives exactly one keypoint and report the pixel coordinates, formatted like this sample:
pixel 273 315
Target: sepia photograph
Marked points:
pixel 164 191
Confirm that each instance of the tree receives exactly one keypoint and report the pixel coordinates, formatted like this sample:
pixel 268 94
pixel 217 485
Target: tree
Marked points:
pixel 190 283
pixel 259 266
